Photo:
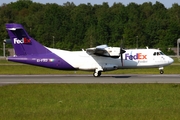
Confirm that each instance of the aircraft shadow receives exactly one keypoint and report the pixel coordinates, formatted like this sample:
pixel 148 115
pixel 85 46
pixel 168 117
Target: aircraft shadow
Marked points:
pixel 121 76
pixel 117 76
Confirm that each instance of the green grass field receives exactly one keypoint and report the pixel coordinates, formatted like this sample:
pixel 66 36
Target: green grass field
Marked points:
pixel 90 102
pixel 30 70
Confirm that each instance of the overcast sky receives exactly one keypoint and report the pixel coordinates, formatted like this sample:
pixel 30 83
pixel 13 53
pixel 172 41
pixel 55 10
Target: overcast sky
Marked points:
pixel 167 3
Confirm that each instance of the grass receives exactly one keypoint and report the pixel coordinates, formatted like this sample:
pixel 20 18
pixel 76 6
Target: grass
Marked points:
pixel 7 67
pixel 90 102
pixel 176 60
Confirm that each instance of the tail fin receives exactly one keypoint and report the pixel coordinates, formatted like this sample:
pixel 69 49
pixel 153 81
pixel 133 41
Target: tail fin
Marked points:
pixel 23 44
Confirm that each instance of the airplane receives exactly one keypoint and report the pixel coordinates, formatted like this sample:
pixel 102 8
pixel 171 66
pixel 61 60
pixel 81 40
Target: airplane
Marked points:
pixel 98 59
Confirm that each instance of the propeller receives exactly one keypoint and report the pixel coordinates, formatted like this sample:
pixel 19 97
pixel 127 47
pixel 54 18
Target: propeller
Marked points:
pixel 122 51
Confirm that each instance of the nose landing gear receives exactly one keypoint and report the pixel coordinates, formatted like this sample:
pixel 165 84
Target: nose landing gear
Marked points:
pixel 161 70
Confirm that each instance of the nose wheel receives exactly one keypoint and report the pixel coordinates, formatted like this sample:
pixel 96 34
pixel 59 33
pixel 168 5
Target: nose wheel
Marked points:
pixel 161 70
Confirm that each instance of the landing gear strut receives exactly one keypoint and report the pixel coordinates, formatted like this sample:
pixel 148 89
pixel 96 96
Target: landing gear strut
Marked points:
pixel 161 70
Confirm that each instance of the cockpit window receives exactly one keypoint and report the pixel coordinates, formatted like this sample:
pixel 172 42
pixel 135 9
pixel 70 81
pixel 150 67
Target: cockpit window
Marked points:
pixel 154 53
pixel 158 53
pixel 162 53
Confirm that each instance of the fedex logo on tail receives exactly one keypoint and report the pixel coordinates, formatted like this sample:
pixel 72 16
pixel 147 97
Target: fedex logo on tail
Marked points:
pixel 137 56
pixel 22 41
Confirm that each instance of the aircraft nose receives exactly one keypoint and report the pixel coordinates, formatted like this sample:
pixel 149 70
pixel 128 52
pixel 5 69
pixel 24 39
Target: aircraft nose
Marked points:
pixel 171 60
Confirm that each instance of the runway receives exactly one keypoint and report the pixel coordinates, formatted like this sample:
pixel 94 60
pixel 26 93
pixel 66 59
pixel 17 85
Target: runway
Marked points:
pixel 128 78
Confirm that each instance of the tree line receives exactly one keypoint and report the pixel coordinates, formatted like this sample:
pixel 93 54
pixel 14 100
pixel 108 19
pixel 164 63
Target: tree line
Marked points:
pixel 73 27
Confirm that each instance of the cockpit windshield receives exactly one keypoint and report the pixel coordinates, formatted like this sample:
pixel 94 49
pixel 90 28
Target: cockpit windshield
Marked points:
pixel 162 53
pixel 158 53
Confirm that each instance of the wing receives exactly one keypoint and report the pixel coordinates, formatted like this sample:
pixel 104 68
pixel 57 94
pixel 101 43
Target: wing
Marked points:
pixel 99 50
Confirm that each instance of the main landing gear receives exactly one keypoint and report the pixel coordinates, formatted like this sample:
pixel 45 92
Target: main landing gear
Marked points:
pixel 161 70
pixel 97 74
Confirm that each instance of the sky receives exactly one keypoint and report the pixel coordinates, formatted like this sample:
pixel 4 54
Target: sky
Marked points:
pixel 167 3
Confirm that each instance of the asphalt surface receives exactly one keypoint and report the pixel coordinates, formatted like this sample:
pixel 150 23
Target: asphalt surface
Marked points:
pixel 128 78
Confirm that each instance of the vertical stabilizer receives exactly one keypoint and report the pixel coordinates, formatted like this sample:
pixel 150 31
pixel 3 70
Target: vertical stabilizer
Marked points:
pixel 23 44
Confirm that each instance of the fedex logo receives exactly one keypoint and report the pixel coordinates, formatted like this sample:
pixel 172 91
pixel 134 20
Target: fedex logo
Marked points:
pixel 22 41
pixel 138 56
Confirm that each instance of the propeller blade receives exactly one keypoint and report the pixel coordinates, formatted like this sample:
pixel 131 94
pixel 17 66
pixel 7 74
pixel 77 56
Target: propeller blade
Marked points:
pixel 121 55
pixel 122 59
pixel 121 52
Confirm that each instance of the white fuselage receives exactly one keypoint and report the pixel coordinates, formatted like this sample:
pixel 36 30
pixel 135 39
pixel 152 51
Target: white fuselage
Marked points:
pixel 132 58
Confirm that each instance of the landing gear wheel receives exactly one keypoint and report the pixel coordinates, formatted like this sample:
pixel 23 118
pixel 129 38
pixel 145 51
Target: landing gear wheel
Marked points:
pixel 161 72
pixel 97 74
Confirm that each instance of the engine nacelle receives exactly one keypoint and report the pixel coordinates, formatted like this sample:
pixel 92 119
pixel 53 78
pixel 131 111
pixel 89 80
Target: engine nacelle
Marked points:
pixel 113 51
